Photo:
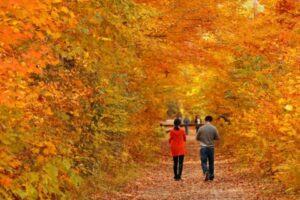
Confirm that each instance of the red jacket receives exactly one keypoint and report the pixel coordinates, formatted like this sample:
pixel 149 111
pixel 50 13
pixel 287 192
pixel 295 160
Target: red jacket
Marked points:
pixel 177 142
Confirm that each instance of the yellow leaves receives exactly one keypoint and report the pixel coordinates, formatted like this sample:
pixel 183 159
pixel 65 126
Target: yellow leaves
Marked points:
pixel 288 107
pixel 276 121
pixel 56 1
pixel 75 113
pixel 40 159
pixel 104 39
pixel 15 163
pixel 35 150
pixel 54 14
pixel 285 128
pixel 47 94
pixel 47 148
pixel 208 37
pixel 44 149
pixel 14 22
pixel 64 10
pixel 86 55
pixel 281 101
pixel 124 157
pixel 46 152
pixel 50 148
pixel 55 35
pixel 48 111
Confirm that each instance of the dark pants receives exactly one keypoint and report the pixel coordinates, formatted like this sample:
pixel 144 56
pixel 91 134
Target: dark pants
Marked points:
pixel 178 166
pixel 207 154
pixel 186 129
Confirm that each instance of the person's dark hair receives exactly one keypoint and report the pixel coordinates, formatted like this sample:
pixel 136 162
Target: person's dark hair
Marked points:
pixel 208 118
pixel 177 123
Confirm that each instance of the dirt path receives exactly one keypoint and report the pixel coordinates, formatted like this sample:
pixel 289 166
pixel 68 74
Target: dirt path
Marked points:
pixel 158 183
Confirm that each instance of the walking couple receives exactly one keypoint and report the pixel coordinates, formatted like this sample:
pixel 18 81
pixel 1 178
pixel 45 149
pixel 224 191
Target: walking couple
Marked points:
pixel 206 134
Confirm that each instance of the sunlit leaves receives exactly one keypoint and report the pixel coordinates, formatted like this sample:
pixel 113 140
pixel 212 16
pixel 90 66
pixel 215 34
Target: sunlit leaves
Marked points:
pixel 83 83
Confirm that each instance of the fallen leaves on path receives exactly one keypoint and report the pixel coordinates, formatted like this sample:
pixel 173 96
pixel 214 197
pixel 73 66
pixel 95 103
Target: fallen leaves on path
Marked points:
pixel 158 184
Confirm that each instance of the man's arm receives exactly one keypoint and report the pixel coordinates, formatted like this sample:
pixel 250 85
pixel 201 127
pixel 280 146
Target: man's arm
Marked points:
pixel 198 134
pixel 217 135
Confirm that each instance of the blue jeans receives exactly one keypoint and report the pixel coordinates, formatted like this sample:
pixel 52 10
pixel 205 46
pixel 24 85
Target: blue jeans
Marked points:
pixel 207 154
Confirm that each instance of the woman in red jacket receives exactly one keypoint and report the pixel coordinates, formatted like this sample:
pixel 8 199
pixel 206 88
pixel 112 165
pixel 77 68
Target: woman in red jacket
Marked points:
pixel 177 142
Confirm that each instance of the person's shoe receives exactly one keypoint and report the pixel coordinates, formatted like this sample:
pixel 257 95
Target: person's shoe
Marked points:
pixel 206 176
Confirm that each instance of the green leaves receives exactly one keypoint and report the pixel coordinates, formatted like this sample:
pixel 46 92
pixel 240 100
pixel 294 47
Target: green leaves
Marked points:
pixel 51 171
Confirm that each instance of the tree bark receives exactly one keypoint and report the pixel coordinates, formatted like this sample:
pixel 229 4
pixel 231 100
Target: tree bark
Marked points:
pixel 255 4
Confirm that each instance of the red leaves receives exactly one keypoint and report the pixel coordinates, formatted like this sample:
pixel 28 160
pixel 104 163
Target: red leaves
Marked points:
pixel 284 6
pixel 5 181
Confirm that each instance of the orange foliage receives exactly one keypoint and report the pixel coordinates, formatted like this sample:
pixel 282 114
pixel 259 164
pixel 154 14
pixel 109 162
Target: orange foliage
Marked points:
pixel 84 82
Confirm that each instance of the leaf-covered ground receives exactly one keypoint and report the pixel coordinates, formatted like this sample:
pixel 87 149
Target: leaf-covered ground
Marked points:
pixel 157 183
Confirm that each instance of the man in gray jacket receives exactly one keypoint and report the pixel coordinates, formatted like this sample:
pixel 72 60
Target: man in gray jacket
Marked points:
pixel 206 134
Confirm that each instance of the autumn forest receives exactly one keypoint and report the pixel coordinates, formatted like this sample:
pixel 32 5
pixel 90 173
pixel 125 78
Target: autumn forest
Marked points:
pixel 85 83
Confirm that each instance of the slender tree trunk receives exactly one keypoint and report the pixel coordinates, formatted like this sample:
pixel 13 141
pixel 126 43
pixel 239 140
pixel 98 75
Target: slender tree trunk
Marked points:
pixel 255 4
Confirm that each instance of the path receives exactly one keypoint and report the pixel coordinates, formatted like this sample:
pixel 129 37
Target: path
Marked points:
pixel 158 183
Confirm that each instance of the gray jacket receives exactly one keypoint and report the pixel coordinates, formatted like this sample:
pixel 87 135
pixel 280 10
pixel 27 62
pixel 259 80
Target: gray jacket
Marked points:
pixel 206 134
